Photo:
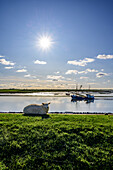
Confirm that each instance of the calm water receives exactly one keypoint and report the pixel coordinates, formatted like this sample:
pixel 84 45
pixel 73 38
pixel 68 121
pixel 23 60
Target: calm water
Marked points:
pixel 58 104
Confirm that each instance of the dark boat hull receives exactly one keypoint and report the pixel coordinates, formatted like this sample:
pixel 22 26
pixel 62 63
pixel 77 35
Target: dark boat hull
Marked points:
pixel 80 98
pixel 77 97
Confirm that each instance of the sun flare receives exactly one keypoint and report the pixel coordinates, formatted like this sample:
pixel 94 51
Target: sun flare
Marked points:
pixel 45 42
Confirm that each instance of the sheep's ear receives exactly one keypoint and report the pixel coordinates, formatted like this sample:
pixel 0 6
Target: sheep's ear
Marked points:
pixel 49 103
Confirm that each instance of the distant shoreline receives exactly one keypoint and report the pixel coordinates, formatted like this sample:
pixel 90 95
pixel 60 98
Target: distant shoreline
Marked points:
pixel 54 90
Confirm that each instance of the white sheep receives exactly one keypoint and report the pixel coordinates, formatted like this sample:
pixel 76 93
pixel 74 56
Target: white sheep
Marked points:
pixel 36 109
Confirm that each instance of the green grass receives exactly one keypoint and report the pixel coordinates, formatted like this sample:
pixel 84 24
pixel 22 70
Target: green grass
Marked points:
pixel 51 90
pixel 63 142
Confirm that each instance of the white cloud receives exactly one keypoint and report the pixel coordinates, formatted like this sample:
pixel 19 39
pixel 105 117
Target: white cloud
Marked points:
pixel 55 78
pixel 27 75
pixel 34 77
pixel 8 68
pixel 2 56
pixel 21 71
pixel 81 72
pixel 71 72
pixel 69 79
pixel 5 62
pixel 57 72
pixel 91 70
pixel 92 83
pixel 102 69
pixel 31 76
pixel 83 77
pixel 81 62
pixel 40 62
pixel 105 56
pixel 101 74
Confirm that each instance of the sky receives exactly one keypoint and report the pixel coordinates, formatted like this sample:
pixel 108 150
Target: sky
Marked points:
pixel 56 44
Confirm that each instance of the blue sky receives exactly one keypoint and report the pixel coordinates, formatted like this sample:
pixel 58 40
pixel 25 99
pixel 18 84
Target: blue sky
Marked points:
pixel 81 32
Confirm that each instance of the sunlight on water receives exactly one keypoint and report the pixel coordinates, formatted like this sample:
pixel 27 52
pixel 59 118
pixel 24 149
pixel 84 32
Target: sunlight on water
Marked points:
pixel 58 104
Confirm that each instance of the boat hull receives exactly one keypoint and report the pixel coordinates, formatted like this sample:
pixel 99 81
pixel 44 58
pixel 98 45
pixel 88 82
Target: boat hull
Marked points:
pixel 74 97
pixel 80 98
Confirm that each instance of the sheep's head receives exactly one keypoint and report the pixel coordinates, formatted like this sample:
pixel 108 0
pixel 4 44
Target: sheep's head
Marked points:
pixel 46 106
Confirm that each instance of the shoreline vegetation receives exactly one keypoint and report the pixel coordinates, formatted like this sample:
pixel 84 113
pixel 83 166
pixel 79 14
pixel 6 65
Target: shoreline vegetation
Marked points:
pixel 54 90
pixel 67 113
pixel 60 142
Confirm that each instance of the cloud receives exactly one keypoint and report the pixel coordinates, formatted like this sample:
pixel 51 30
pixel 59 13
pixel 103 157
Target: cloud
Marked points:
pixel 92 83
pixel 8 68
pixel 40 62
pixel 91 70
pixel 83 77
pixel 57 72
pixel 105 56
pixel 27 75
pixel 71 72
pixel 21 71
pixel 81 62
pixel 55 78
pixel 81 72
pixel 5 62
pixel 34 77
pixel 2 56
pixel 101 74
pixel 30 76
pixel 102 69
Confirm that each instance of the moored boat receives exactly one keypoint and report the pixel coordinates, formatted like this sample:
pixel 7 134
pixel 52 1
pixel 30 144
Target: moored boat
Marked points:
pixel 89 97
pixel 82 97
pixel 77 97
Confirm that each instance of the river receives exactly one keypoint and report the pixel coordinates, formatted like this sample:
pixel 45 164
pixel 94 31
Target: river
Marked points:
pixel 15 103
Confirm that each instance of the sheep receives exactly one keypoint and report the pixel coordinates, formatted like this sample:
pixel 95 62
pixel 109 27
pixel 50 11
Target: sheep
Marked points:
pixel 36 109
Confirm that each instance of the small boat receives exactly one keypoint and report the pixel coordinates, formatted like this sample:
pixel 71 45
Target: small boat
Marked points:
pixel 82 97
pixel 89 97
pixel 67 93
pixel 77 97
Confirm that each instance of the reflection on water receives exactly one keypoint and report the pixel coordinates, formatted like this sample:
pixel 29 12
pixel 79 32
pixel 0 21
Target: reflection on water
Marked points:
pixel 58 104
pixel 86 101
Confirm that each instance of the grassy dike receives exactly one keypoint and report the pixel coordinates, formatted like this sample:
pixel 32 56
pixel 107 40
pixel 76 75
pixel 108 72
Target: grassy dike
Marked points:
pixel 60 142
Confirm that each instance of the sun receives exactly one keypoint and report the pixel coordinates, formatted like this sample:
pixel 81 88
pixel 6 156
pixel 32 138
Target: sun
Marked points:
pixel 45 42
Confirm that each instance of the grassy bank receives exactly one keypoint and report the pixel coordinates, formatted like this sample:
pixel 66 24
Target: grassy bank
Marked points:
pixel 61 142
pixel 51 90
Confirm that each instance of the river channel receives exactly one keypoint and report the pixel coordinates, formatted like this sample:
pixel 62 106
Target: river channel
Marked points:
pixel 16 103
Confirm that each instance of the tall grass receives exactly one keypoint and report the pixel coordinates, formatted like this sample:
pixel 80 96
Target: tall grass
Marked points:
pixel 60 142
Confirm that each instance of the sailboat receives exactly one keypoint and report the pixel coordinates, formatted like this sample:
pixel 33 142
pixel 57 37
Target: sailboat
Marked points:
pixel 80 97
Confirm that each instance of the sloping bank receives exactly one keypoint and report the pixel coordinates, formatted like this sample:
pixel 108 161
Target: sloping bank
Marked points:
pixel 60 142
pixel 74 113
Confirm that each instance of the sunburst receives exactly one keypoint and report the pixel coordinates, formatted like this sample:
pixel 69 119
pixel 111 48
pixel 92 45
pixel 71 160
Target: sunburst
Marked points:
pixel 45 42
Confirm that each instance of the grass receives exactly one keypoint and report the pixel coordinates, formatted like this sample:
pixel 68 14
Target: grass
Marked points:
pixel 52 90
pixel 60 142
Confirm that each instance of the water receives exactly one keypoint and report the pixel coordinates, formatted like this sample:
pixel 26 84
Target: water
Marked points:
pixel 41 94
pixel 58 104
